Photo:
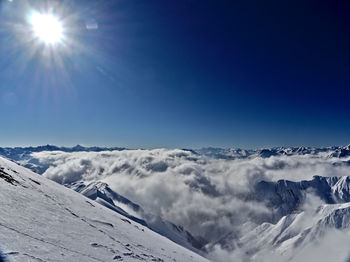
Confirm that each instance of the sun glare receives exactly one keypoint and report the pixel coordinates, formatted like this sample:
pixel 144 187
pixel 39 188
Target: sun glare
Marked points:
pixel 47 28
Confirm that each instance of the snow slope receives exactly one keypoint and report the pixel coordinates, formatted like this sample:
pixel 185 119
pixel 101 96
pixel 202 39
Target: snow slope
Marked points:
pixel 305 215
pixel 297 232
pixel 43 221
pixel 285 197
pixel 103 194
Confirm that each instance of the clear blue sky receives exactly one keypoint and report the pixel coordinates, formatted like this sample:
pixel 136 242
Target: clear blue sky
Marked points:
pixel 177 74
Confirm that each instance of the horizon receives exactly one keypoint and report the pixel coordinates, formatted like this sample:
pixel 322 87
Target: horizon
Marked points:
pixel 170 148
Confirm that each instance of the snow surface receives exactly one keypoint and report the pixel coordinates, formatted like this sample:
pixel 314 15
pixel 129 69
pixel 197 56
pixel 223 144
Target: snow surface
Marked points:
pixel 103 194
pixel 43 221
pixel 295 233
pixel 309 215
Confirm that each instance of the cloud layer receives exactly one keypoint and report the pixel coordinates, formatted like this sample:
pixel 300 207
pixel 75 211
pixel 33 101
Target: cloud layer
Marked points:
pixel 200 193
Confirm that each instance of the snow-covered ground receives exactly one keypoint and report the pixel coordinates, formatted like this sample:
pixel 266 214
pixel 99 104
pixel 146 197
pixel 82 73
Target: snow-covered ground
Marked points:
pixel 43 221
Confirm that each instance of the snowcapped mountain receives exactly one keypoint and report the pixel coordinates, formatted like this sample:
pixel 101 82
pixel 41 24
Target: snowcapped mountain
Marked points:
pixel 247 202
pixel 103 194
pixel 301 213
pixel 296 233
pixel 286 197
pixel 233 153
pixel 341 152
pixel 24 153
pixel 44 221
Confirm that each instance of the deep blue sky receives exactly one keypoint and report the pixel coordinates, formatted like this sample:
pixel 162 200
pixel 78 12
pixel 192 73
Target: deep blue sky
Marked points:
pixel 178 74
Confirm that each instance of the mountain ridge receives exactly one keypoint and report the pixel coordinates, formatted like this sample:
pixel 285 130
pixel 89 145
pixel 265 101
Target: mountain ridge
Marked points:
pixel 53 223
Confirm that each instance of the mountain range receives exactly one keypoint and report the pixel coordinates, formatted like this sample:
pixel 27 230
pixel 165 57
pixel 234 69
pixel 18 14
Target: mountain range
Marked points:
pixel 299 217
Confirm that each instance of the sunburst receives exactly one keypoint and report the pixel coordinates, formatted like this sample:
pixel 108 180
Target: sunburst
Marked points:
pixel 47 28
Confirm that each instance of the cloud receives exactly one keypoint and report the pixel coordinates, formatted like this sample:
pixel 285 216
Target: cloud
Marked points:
pixel 200 193
pixel 333 246
pixel 303 239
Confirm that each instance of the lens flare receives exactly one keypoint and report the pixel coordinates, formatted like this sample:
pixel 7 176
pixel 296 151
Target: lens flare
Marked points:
pixel 47 28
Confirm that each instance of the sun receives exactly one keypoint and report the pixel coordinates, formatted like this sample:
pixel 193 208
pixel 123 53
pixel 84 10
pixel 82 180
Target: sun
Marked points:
pixel 47 28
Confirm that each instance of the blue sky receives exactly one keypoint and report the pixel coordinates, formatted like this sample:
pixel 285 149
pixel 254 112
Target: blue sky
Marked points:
pixel 177 74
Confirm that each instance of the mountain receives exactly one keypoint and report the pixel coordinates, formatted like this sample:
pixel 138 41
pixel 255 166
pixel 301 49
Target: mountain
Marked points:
pixel 24 154
pixel 44 221
pixel 103 194
pixel 19 153
pixel 341 152
pixel 301 213
pixel 233 153
pixel 286 197
pixel 238 200
pixel 297 233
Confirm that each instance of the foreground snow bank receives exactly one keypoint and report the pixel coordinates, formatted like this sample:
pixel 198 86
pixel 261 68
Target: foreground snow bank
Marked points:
pixel 44 221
